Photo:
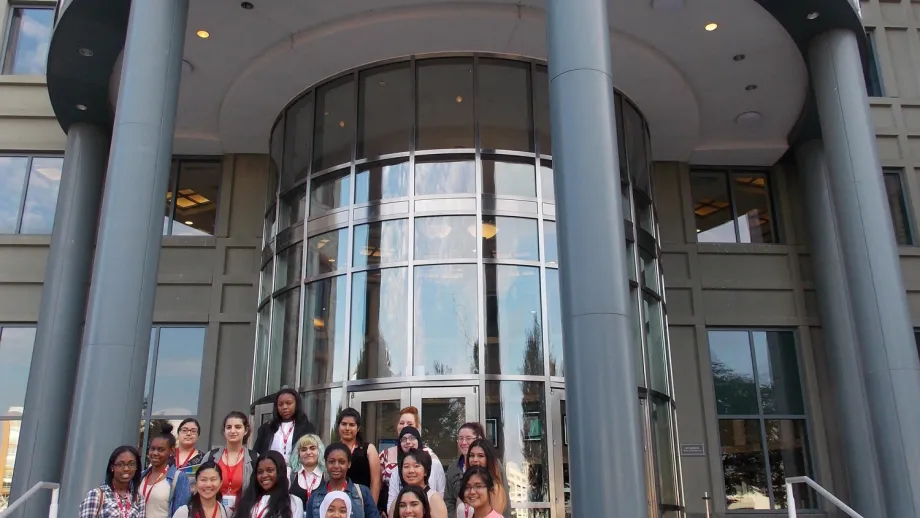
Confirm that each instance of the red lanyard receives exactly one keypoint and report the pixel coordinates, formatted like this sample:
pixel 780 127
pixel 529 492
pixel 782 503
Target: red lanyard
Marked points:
pixel 467 511
pixel 344 487
pixel 146 488
pixel 125 510
pixel 262 511
pixel 232 469
pixel 285 437
pixel 308 485
pixel 180 465
pixel 213 514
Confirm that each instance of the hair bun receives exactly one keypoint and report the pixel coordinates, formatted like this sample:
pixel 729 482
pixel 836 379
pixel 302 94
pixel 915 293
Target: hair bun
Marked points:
pixel 166 427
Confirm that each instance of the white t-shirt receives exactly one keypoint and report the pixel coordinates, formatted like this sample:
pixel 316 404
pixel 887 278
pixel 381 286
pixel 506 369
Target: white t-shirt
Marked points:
pixel 158 499
pixel 310 481
pixel 285 431
pixel 296 507
pixel 182 512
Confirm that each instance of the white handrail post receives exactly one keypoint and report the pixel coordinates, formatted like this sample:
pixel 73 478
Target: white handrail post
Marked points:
pixel 53 510
pixel 790 500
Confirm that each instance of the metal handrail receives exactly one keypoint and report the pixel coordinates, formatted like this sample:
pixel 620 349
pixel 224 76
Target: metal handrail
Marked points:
pixel 790 501
pixel 52 511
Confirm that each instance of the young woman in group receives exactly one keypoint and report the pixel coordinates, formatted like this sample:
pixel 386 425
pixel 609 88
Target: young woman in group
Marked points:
pixel 205 503
pixel 365 461
pixel 338 461
pixel 477 486
pixel 187 453
pixel 163 487
pixel 336 504
pixel 289 423
pixel 389 458
pixel 483 455
pixel 412 503
pixel 413 472
pixel 118 497
pixel 306 466
pixel 468 433
pixel 267 495
pixel 237 463
pixel 411 439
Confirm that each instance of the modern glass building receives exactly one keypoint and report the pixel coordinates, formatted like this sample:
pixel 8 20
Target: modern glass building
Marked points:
pixel 675 240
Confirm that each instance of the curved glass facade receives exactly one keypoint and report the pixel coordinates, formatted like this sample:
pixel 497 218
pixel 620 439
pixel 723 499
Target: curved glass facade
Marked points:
pixel 410 257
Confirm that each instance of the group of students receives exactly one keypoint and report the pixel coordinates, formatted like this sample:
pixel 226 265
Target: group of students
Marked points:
pixel 290 473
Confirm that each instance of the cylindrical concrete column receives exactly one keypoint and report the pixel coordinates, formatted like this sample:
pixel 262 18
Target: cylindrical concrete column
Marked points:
pixel 839 332
pixel 43 436
pixel 110 386
pixel 602 403
pixel 890 366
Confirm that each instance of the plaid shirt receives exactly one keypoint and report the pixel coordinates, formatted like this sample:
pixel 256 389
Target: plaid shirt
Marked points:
pixel 89 508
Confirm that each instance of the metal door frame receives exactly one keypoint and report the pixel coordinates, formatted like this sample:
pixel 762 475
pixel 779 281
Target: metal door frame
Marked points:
pixel 557 422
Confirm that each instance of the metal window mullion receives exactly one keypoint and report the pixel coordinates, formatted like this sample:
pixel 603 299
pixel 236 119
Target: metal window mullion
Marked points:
pixel 348 270
pixel 147 413
pixel 23 196
pixel 761 420
pixel 480 265
pixel 8 39
pixel 410 226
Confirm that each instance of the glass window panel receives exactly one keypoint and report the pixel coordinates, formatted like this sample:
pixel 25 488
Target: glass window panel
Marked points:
pixel 381 242
pixel 778 372
pixel 644 214
pixel 334 128
pixel 554 323
pixel 442 417
pixel 636 148
pixel 752 202
pixel 733 372
pixel 639 350
pixel 260 369
pixel 9 444
pixel 541 117
pixel 327 253
pixel 15 360
pixel 625 206
pixel 382 181
pixel 548 184
pixel 324 358
pixel 510 238
pixel 743 465
pixel 12 180
pixel 28 41
pixel 518 411
pixel 270 228
pixel 505 110
pixel 178 376
pixel 293 207
pixel 508 178
pixel 298 141
pixel 197 197
pixel 712 208
pixel 897 205
pixel 379 323
pixel 276 155
pixel 445 237
pixel 514 329
pixel 664 453
pixel 445 104
pixel 550 244
pixel 874 86
pixel 266 286
pixel 285 326
pixel 446 322
pixel 378 422
pixel 657 346
pixel 621 138
pixel 787 446
pixel 329 192
pixel 649 267
pixel 455 177
pixel 289 263
pixel 386 108
pixel 41 196
pixel 170 198
pixel 322 407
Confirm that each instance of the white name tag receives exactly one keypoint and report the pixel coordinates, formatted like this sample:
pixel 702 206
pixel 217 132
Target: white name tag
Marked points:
pixel 229 502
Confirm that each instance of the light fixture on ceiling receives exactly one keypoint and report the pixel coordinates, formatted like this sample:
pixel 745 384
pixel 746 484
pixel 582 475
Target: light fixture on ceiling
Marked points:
pixel 812 15
pixel 331 260
pixel 711 26
pixel 203 34
pixel 318 323
pixel 459 98
pixel 189 222
pixel 382 82
pixel 749 119
pixel 86 53
pixel 489 230
pixel 341 124
pixel 750 88
pixel 739 57
pixel 247 5
pixel 81 107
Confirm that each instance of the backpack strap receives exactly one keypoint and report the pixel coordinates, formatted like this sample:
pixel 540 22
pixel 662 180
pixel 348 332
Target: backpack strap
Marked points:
pixel 360 495
pixel 99 502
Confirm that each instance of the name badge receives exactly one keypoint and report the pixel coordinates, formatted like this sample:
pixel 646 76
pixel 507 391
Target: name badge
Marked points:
pixel 229 502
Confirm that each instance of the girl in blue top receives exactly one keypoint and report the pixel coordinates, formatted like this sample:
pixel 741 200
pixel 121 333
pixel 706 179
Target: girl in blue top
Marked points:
pixel 338 460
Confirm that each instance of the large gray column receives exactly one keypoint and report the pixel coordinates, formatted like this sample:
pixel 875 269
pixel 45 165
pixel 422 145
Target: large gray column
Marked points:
pixel 110 386
pixel 608 474
pixel 840 341
pixel 43 437
pixel 891 369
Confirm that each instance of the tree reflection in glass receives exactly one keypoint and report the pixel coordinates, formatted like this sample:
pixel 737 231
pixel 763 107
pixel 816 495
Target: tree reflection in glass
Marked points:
pixel 446 323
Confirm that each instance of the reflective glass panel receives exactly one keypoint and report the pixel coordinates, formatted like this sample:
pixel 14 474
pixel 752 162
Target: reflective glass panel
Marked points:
pixel 334 128
pixel 712 208
pixel 41 196
pixel 445 237
pixel 329 192
pixel 379 323
pixel 649 270
pixel 266 281
pixel 285 327
pixel 379 419
pixel 657 353
pixel 643 212
pixel 289 264
pixel 516 410
pixel 548 184
pixel 743 464
pixel 327 252
pixel 664 453
pixel 322 407
pixel 554 323
pixel 197 196
pixel 323 358
pixel 298 141
pixel 778 372
pixel 752 202
pixel 276 156
pixel 382 181
pixel 293 207
pixel 550 244
pixel 508 178
pixel 15 360
pixel 446 322
pixel 505 110
pixel 442 417
pixel 381 242
pixel 13 172
pixel 28 41
pixel 386 108
pixel 178 375
pixel 636 148
pixel 514 327
pixel 9 445
pixel 541 117
pixel 733 372
pixel 787 446
pixel 260 369
pixel 897 205
pixel 510 238
pixel 445 104
pixel 455 177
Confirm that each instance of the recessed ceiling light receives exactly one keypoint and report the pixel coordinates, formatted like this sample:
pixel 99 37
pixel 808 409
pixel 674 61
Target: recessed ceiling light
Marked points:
pixel 382 83
pixel 203 34
pixel 459 98
pixel 189 222
pixel 247 5
pixel 87 53
pixel 750 88
pixel 749 119
pixel 812 15
pixel 81 107
pixel 739 57
pixel 341 124
pixel 711 26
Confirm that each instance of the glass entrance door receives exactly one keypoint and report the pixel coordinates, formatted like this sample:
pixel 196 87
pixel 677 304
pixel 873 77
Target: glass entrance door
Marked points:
pixel 560 425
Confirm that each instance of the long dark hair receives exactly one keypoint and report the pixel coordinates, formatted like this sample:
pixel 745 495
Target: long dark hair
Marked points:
pixel 420 494
pixel 164 432
pixel 110 468
pixel 299 418
pixel 279 499
pixel 350 412
pixel 422 457
pixel 236 414
pixel 491 458
pixel 195 509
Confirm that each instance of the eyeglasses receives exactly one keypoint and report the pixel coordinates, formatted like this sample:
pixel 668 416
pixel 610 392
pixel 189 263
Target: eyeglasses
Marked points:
pixel 189 431
pixel 475 487
pixel 125 465
pixel 466 439
pixel 406 439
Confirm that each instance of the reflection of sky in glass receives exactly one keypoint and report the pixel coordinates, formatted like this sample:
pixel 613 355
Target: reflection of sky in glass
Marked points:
pixel 178 374
pixel 324 358
pixel 512 318
pixel 31 55
pixel 445 237
pixel 508 178
pixel 446 326
pixel 15 359
pixel 327 252
pixel 516 405
pixel 12 177
pixel 550 246
pixel 41 196
pixel 515 238
pixel 445 177
pixel 379 323
pixel 381 242
pixel 554 324
pixel 548 185
pixel 329 192
pixel 380 183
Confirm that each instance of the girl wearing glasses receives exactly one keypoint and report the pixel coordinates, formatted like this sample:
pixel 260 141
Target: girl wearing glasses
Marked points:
pixel 187 453
pixel 413 472
pixel 468 433
pixel 482 454
pixel 118 497
pixel 410 439
pixel 477 486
